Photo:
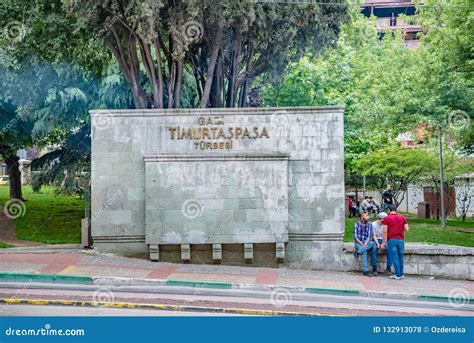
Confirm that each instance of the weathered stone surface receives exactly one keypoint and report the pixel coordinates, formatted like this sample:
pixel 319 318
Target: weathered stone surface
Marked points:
pixel 424 259
pixel 285 181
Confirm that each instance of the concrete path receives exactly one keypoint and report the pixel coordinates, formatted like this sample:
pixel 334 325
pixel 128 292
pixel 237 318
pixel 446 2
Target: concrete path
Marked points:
pixel 66 265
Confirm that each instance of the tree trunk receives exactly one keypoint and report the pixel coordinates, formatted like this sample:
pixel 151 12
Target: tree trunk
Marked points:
pixel 152 73
pixel 129 66
pixel 15 177
pixel 159 71
pixel 234 69
pixel 178 85
pixel 215 96
pixel 210 69
pixel 139 96
pixel 171 85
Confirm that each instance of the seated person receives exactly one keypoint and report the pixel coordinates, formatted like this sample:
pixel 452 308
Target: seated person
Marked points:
pixel 363 242
pixel 377 229
pixel 365 204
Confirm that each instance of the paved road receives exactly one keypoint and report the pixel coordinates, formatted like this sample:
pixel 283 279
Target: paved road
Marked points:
pixel 196 301
pixel 40 311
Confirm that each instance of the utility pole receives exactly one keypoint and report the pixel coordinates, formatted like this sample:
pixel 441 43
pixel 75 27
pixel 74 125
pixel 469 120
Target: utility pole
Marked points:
pixel 363 182
pixel 441 178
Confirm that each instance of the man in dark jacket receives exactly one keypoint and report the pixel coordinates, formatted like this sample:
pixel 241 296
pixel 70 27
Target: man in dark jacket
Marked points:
pixel 387 198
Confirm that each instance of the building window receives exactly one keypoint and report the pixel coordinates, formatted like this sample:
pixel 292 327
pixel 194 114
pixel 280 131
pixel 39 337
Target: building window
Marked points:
pixel 393 20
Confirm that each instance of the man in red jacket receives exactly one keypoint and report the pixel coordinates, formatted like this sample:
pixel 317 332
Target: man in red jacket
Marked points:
pixel 394 227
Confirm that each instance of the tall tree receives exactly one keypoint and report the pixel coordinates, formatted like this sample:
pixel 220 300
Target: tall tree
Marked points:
pixel 387 88
pixel 396 165
pixel 162 45
pixel 51 75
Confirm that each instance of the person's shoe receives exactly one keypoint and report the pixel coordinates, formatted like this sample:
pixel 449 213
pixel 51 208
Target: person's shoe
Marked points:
pixel 394 277
pixel 369 274
pixel 388 271
pixel 374 273
pixel 402 277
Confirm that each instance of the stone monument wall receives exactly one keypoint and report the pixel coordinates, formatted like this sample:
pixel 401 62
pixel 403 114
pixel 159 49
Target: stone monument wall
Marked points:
pixel 224 185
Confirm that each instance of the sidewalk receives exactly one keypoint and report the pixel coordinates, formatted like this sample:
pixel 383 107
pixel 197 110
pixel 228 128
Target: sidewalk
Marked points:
pixel 66 265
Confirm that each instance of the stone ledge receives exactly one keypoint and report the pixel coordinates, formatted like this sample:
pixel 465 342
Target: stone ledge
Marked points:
pixel 217 111
pixel 425 249
pixel 167 157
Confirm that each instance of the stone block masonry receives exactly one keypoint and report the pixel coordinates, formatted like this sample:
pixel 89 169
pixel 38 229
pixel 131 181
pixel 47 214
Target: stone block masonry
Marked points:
pixel 234 181
pixel 445 261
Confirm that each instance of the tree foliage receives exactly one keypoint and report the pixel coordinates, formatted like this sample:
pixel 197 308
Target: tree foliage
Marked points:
pixel 396 166
pixel 210 50
pixel 51 75
pixel 387 88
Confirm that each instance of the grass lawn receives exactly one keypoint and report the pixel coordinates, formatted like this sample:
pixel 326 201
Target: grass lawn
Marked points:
pixel 52 218
pixel 49 218
pixel 5 245
pixel 427 231
pixel 468 224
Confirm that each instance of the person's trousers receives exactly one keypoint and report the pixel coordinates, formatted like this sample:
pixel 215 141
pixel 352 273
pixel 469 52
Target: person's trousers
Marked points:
pixel 396 248
pixel 352 212
pixel 363 251
pixel 374 255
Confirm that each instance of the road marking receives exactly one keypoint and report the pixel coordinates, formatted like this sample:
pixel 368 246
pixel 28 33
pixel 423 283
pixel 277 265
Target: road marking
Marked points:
pixel 166 307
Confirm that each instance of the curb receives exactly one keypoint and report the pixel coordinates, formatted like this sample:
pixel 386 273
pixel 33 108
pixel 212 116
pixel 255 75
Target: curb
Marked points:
pixel 48 278
pixel 200 284
pixel 117 282
pixel 334 291
pixel 121 282
pixel 443 298
pixel 163 307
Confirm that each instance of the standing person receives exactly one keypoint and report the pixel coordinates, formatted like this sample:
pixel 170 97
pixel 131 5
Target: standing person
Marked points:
pixel 352 208
pixel 387 198
pixel 377 228
pixel 394 227
pixel 363 242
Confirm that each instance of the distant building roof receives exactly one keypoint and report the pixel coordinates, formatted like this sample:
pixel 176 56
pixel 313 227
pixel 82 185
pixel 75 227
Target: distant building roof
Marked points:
pixel 388 3
pixel 385 8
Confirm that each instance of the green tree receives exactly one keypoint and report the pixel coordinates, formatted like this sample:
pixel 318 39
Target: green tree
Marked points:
pixel 396 166
pixel 387 88
pixel 445 78
pixel 367 75
pixel 51 76
pixel 211 50
pixel 453 166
